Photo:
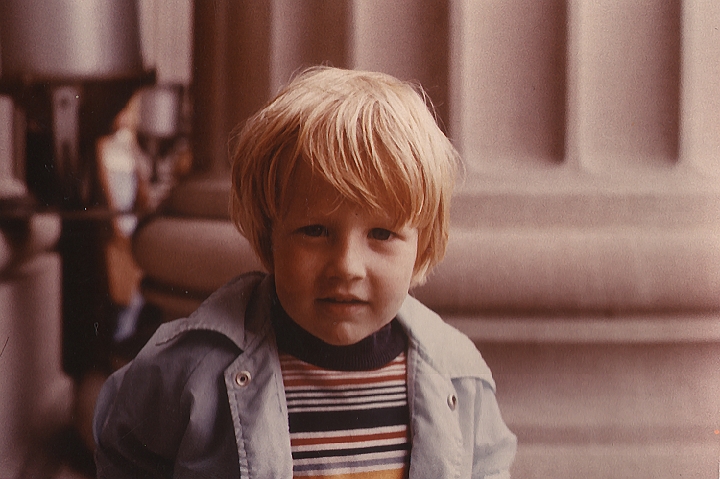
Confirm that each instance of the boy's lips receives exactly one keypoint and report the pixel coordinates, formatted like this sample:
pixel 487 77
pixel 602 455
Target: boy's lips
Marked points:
pixel 341 306
pixel 342 299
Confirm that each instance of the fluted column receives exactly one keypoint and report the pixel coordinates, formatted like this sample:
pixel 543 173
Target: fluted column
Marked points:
pixel 508 83
pixel 700 95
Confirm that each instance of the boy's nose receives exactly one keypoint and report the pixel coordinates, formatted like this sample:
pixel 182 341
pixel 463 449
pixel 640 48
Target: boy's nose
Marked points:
pixel 347 260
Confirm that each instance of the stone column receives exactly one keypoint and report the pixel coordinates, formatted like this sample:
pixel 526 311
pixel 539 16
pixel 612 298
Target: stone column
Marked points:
pixel 35 394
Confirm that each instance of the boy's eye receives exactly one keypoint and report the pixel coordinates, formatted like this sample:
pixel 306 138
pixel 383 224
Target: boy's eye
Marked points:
pixel 314 230
pixel 380 234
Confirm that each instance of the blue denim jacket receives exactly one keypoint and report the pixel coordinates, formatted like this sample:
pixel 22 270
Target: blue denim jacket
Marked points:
pixel 205 398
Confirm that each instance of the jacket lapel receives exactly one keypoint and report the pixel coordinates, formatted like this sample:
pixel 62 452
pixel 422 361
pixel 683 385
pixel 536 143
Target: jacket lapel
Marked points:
pixel 257 398
pixel 435 428
pixel 257 404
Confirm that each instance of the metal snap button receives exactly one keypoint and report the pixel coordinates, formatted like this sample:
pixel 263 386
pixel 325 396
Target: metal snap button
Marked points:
pixel 452 401
pixel 243 378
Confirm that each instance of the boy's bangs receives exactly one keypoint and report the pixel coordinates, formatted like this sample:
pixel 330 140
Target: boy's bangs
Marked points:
pixel 384 191
pixel 372 159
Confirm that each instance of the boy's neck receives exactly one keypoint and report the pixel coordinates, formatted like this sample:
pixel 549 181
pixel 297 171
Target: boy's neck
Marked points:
pixel 372 352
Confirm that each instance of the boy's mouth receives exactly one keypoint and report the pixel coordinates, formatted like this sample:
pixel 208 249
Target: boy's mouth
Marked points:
pixel 342 300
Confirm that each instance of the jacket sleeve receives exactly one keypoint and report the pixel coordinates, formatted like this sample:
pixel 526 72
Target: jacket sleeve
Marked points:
pixel 139 421
pixel 495 444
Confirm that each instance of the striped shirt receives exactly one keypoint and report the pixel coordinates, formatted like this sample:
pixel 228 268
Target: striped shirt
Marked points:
pixel 346 422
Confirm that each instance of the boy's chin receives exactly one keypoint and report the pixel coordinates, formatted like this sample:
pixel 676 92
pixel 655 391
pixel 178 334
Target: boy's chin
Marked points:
pixel 345 333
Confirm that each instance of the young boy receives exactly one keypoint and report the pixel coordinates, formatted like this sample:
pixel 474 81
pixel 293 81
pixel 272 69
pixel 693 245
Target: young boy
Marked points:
pixel 325 367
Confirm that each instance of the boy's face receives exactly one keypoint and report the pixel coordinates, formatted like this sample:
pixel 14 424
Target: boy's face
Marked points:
pixel 341 273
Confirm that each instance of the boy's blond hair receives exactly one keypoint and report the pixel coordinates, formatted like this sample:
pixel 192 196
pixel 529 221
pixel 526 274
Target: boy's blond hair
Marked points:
pixel 367 134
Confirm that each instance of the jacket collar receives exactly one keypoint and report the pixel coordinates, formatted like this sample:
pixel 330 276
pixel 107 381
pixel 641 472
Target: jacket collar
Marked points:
pixel 446 349
pixel 226 312
pixel 240 310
